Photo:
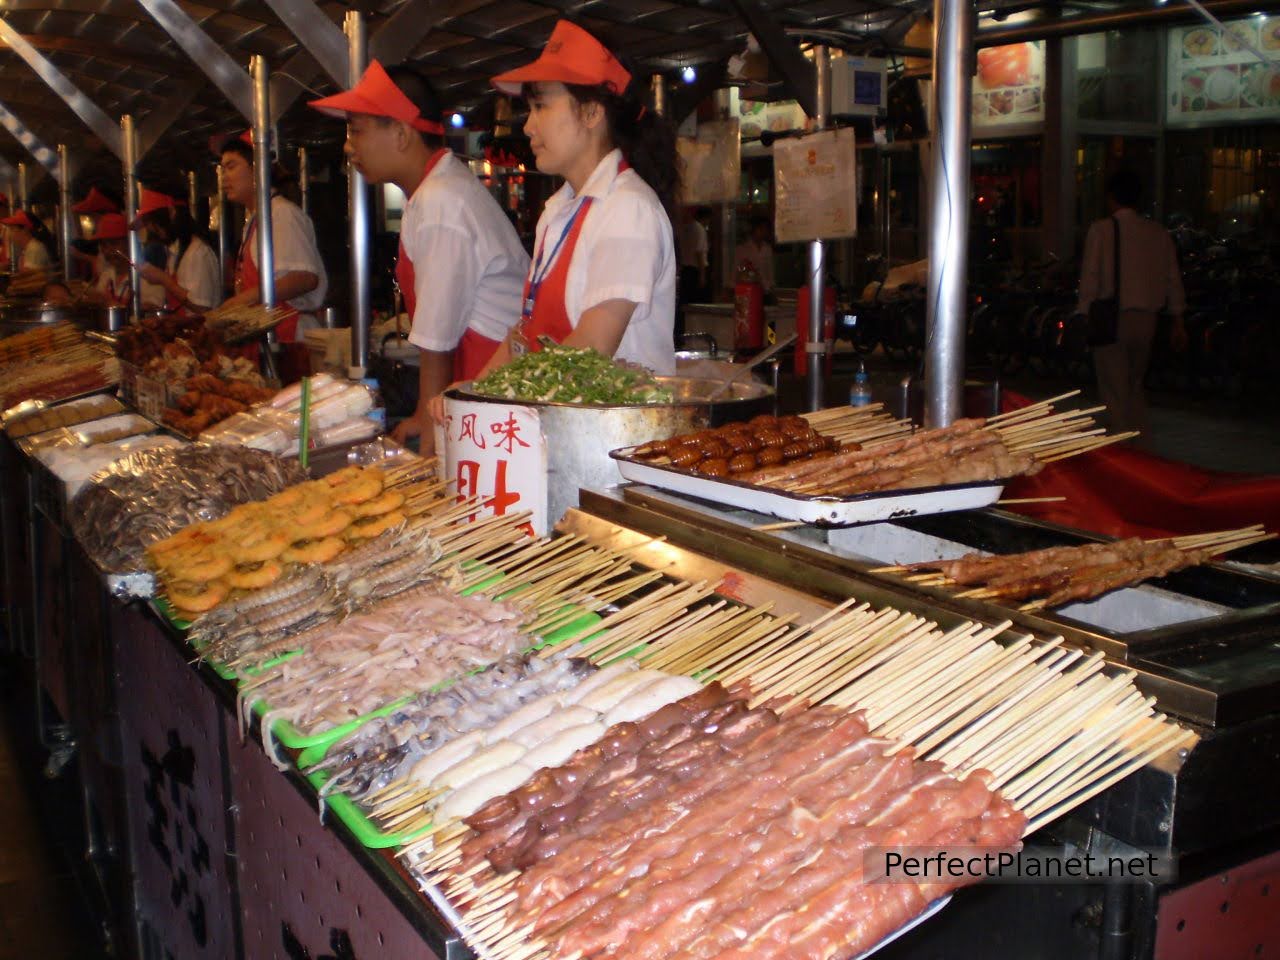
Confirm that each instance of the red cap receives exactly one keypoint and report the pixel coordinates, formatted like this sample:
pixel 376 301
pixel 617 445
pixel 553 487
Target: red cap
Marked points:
pixel 19 219
pixel 111 226
pixel 378 96
pixel 94 202
pixel 153 200
pixel 571 56
pixel 219 142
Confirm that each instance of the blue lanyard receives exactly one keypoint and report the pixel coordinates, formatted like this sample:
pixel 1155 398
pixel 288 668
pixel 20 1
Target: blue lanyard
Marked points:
pixel 540 270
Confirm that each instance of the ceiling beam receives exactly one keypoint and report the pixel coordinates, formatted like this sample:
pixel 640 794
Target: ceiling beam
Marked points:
pixel 412 21
pixel 155 123
pixel 323 39
pixel 45 157
pixel 218 65
pixel 783 52
pixel 88 111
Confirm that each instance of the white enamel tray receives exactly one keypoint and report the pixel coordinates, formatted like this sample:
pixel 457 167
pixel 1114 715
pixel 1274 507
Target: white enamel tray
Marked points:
pixel 824 510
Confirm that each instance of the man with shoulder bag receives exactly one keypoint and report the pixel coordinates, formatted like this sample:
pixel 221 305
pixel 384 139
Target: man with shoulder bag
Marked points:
pixel 1128 275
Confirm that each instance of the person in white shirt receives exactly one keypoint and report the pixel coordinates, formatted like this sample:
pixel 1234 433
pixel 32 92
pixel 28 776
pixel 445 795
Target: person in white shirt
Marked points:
pixel 460 266
pixel 300 278
pixel 30 252
pixel 1150 281
pixel 191 277
pixel 112 287
pixel 604 270
pixel 756 252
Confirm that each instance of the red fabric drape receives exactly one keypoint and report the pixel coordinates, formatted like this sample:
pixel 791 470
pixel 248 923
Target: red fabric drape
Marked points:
pixel 1125 492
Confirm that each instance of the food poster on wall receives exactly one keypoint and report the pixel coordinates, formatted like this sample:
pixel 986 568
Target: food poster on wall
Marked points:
pixel 1009 85
pixel 815 187
pixel 497 451
pixel 711 163
pixel 1216 75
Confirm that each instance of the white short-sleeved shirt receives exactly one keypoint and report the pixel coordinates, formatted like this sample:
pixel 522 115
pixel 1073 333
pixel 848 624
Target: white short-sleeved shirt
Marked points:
pixel 294 248
pixel 625 251
pixel 35 256
pixel 468 264
pixel 197 273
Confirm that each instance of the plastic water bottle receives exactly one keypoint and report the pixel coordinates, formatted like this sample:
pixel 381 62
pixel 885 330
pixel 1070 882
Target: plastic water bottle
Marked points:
pixel 379 412
pixel 860 392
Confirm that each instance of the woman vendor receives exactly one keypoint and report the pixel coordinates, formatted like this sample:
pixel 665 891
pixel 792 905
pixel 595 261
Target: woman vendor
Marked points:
pixel 191 276
pixel 300 279
pixel 460 266
pixel 30 252
pixel 604 269
pixel 112 287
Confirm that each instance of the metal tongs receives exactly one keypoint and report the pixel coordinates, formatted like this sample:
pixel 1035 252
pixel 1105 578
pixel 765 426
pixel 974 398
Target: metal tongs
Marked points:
pixel 751 364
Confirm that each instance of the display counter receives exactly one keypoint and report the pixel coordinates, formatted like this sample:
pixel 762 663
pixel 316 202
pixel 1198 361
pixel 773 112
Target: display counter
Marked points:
pixel 227 856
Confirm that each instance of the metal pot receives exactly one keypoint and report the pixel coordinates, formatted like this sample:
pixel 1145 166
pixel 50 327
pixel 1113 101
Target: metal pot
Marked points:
pixel 579 437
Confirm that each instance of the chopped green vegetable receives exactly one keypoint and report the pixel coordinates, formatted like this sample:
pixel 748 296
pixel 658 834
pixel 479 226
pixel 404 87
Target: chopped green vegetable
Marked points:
pixel 571 375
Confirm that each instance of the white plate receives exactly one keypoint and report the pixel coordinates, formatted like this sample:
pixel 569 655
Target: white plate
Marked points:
pixel 827 511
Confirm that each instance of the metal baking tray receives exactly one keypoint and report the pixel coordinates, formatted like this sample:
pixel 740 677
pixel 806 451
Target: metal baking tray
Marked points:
pixel 810 508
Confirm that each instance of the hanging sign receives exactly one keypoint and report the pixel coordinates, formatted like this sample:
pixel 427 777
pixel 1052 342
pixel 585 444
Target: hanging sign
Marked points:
pixel 1009 86
pixel 711 163
pixel 1216 75
pixel 497 451
pixel 815 187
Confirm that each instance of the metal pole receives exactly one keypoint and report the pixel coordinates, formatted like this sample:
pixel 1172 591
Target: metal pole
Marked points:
pixel 11 191
pixel 193 193
pixel 953 22
pixel 304 186
pixel 224 233
pixel 64 208
pixel 659 87
pixel 358 210
pixel 816 344
pixel 129 136
pixel 261 75
pixel 22 185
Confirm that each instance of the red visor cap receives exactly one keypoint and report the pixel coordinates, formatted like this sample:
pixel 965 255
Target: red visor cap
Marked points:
pixel 571 56
pixel 153 200
pixel 111 226
pixel 95 202
pixel 19 219
pixel 378 96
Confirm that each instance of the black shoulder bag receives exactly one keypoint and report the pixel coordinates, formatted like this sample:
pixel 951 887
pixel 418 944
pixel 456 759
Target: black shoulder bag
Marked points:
pixel 1104 314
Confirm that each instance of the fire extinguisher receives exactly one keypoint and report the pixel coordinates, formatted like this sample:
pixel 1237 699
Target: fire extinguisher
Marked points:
pixel 802 327
pixel 748 311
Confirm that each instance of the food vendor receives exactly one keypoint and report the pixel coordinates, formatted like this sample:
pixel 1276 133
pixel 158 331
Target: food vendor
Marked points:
pixel 190 276
pixel 460 267
pixel 300 278
pixel 604 267
pixel 31 254
pixel 112 287
pixel 86 260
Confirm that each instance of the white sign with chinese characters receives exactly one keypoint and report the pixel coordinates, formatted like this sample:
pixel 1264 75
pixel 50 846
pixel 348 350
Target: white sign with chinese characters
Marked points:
pixel 712 163
pixel 815 187
pixel 497 451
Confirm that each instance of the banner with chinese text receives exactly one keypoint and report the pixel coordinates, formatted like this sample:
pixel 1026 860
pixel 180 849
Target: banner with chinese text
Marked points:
pixel 497 451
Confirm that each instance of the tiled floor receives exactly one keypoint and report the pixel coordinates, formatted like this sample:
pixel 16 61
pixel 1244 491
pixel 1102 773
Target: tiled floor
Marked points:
pixel 39 901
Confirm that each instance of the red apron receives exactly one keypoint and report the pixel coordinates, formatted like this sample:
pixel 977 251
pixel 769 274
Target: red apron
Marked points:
pixel 247 275
pixel 544 313
pixel 473 350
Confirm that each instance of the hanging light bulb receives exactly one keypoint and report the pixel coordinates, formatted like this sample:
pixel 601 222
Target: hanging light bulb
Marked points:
pixel 688 74
pixel 457 120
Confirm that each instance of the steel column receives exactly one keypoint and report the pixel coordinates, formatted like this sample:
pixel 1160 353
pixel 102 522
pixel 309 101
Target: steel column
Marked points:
pixel 816 344
pixel 358 210
pixel 64 208
pixel 261 75
pixel 129 138
pixel 304 187
pixel 11 191
pixel 193 193
pixel 23 200
pixel 224 233
pixel 953 22
pixel 659 87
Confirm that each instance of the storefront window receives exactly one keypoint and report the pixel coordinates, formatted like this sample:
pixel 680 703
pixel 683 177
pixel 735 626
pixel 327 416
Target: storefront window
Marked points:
pixel 1225 181
pixel 1115 76
pixel 1006 212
